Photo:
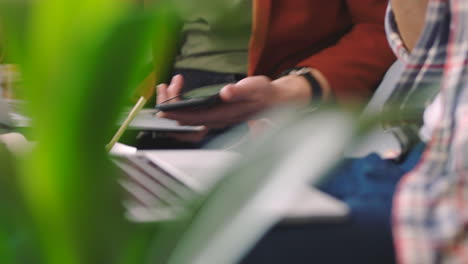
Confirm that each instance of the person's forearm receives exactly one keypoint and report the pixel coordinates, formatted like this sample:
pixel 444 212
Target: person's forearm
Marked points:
pixel 357 62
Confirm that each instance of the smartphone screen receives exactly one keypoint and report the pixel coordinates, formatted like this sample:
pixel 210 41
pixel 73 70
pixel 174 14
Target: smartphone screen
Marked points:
pixel 202 97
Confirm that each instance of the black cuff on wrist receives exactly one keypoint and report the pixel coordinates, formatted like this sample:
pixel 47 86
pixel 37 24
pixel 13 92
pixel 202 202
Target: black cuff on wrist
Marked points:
pixel 316 88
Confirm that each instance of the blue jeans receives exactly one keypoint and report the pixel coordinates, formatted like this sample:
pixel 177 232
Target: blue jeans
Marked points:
pixel 367 185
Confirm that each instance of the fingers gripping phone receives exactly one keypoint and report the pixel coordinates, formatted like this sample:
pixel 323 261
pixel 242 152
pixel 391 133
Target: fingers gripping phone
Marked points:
pixel 202 97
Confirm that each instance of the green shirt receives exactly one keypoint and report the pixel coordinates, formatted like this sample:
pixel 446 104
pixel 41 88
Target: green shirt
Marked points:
pixel 217 40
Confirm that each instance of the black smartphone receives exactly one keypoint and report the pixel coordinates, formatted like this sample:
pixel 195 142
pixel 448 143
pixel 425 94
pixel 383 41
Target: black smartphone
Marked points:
pixel 202 97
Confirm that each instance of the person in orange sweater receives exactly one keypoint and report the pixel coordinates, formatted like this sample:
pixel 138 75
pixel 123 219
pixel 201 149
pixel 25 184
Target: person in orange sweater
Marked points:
pixel 301 51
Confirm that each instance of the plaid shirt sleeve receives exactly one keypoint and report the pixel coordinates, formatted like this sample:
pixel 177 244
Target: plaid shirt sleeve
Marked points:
pixel 419 83
pixel 430 214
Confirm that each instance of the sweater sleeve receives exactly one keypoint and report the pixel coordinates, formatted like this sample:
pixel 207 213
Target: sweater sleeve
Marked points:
pixel 357 62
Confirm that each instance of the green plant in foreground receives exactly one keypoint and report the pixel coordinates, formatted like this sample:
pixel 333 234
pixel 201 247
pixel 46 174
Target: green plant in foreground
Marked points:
pixel 79 61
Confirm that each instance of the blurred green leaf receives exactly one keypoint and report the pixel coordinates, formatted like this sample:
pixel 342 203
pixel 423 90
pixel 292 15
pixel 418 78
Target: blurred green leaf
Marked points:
pixel 80 61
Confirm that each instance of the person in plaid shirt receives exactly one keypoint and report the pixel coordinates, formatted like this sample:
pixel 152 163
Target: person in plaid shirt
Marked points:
pixel 430 210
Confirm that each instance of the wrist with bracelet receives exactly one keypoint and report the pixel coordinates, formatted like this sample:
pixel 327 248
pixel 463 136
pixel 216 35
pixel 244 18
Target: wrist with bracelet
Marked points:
pixel 315 86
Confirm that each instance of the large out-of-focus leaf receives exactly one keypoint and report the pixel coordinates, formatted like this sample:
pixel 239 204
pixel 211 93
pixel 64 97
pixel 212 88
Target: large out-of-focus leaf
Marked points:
pixel 253 194
pixel 79 61
pixel 17 242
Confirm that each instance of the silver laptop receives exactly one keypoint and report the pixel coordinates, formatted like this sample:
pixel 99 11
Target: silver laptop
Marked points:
pixel 11 115
pixel 160 183
pixel 5 120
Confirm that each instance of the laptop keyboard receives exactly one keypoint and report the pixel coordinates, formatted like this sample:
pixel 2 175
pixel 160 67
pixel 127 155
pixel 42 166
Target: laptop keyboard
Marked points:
pixel 152 194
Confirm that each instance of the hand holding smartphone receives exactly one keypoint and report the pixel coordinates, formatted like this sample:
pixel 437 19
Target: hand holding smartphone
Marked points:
pixel 202 97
